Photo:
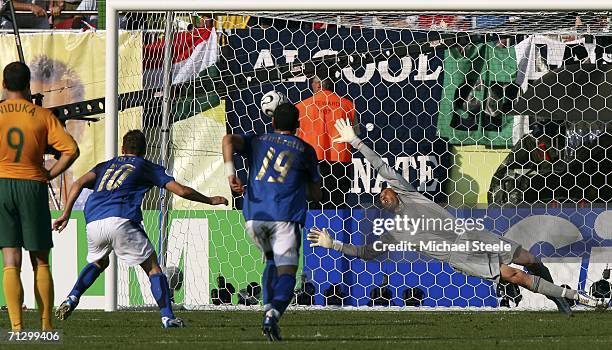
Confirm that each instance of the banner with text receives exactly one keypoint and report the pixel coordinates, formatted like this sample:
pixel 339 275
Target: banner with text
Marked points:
pixel 395 101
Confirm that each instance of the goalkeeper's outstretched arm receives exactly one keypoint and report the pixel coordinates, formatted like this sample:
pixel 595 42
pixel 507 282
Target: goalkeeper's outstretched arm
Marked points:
pixel 321 238
pixel 393 178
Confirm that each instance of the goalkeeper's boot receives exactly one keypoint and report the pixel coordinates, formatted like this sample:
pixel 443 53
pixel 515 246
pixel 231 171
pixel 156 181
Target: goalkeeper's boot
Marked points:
pixel 587 300
pixel 168 322
pixel 271 329
pixel 65 309
pixel 563 306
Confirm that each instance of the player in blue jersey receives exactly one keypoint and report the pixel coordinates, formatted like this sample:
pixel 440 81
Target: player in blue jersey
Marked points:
pixel 114 217
pixel 283 174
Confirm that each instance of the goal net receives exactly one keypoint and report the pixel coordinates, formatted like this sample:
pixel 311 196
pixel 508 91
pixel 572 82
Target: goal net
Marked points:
pixel 501 117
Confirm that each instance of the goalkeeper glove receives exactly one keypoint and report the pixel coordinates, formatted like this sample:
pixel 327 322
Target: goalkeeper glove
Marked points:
pixel 321 238
pixel 346 131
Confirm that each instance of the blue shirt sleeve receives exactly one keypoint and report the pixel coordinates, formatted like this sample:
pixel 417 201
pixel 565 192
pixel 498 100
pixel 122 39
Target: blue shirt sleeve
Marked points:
pixel 98 168
pixel 312 164
pixel 248 145
pixel 156 174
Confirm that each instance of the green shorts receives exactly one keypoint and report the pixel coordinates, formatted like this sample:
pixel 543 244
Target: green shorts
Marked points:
pixel 25 219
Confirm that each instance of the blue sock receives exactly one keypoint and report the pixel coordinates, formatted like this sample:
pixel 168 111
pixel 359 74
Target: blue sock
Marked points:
pixel 161 293
pixel 267 281
pixel 283 292
pixel 87 277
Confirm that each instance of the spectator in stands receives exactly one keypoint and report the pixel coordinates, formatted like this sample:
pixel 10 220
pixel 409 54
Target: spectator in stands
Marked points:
pixel 223 293
pixel 266 22
pixel 319 25
pixel 38 18
pixel 80 21
pixel 318 115
pixel 89 5
pixel 603 42
pixel 230 22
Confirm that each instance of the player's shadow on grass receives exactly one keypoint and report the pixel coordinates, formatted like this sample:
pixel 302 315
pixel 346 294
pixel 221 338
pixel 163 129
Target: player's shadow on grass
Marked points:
pixel 365 323
pixel 416 338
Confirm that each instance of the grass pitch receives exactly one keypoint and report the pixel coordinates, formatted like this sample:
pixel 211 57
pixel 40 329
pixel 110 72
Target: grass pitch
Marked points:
pixel 325 329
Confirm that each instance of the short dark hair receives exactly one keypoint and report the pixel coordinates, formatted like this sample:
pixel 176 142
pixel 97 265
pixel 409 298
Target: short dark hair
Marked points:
pixel 326 83
pixel 16 76
pixel 286 117
pixel 135 142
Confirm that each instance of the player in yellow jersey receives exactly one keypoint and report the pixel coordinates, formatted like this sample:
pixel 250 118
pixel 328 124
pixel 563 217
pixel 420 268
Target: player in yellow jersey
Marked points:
pixel 25 132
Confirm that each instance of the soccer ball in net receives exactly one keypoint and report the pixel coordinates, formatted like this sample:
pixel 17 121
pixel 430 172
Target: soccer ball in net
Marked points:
pixel 271 100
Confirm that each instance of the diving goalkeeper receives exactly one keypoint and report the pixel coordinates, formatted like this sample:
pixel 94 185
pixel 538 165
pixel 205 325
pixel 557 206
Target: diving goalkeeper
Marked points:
pixel 401 199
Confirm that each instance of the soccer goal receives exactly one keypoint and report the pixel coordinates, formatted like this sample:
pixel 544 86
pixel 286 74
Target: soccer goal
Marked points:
pixel 500 112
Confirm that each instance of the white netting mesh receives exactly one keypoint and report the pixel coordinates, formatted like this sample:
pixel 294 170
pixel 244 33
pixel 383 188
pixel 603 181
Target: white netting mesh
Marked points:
pixel 503 115
pixel 518 22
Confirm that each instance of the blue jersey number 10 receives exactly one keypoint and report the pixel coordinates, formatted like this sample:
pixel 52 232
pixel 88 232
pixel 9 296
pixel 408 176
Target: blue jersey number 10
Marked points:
pixel 114 177
pixel 282 165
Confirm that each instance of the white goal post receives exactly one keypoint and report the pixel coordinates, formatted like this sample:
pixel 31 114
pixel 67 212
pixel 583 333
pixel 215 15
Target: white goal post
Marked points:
pixel 114 7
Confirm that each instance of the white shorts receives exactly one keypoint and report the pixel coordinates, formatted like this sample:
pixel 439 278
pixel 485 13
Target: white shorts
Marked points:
pixel 127 238
pixel 279 240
